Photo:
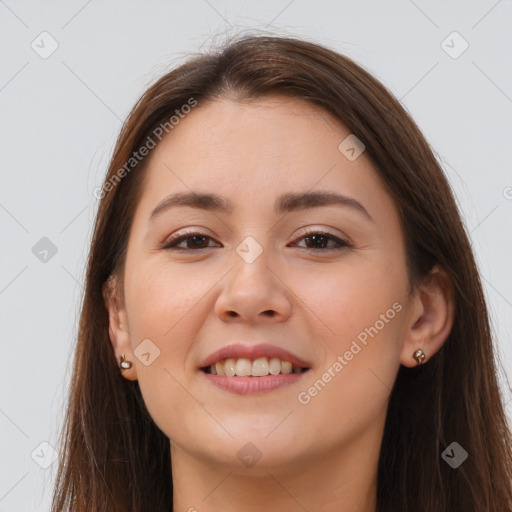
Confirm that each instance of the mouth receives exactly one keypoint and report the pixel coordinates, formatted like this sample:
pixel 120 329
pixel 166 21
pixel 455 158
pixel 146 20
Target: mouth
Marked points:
pixel 253 369
pixel 258 367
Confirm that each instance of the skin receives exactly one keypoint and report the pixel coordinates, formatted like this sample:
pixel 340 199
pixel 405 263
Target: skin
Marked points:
pixel 319 456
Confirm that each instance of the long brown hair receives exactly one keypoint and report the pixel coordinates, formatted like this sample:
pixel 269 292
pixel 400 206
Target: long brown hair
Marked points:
pixel 114 458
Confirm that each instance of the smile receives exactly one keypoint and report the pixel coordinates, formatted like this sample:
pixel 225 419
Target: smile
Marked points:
pixel 260 367
pixel 245 376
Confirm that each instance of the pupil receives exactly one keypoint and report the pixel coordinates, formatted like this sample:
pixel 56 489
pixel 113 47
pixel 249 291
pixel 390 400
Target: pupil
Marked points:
pixel 197 240
pixel 317 238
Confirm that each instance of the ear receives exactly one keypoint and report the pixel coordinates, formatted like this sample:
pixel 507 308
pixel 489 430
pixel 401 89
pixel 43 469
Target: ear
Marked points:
pixel 118 326
pixel 431 317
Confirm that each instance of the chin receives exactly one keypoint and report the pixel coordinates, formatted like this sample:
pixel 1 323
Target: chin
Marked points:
pixel 252 453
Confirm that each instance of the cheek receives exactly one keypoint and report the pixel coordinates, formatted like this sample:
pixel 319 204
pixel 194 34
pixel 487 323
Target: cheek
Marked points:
pixel 362 314
pixel 348 300
pixel 161 311
pixel 160 299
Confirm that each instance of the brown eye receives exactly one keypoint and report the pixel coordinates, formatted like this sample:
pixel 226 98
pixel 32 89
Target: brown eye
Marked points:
pixel 192 242
pixel 315 241
pixel 319 241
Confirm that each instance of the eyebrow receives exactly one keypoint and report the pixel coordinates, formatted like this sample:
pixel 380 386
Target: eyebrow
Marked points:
pixel 285 203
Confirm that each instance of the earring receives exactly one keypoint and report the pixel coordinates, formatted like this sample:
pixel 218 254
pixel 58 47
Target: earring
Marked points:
pixel 125 365
pixel 419 355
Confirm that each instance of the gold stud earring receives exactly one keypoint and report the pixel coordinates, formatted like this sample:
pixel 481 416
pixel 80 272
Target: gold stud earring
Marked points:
pixel 125 365
pixel 419 356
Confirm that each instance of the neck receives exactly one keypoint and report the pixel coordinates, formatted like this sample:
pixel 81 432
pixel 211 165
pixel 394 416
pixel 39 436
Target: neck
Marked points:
pixel 342 480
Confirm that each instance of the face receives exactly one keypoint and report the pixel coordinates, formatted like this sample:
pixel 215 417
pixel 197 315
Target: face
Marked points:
pixel 321 284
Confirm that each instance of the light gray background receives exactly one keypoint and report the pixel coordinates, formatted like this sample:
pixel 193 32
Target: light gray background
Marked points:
pixel 61 115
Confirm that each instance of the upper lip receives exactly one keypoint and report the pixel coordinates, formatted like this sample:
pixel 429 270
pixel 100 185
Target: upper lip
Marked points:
pixel 237 350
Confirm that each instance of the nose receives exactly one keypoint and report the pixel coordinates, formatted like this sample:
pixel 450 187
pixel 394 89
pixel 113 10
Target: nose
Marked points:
pixel 252 293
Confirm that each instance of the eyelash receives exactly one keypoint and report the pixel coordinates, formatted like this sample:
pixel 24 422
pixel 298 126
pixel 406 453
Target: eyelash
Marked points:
pixel 173 242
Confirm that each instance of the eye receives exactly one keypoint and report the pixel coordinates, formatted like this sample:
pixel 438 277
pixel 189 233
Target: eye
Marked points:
pixel 318 240
pixel 315 241
pixel 191 241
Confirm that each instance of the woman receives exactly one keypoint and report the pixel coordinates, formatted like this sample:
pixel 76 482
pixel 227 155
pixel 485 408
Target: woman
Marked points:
pixel 282 309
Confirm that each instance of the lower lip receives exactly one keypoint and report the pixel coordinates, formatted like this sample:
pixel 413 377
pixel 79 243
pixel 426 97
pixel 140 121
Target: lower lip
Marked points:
pixel 253 385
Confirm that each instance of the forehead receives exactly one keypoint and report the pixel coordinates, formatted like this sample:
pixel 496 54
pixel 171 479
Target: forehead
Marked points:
pixel 251 152
pixel 275 130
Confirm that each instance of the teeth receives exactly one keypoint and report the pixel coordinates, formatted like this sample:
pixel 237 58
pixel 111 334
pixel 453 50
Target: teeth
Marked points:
pixel 286 367
pixel 230 367
pixel 219 368
pixel 260 367
pixel 243 367
pixel 275 366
